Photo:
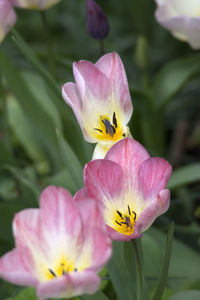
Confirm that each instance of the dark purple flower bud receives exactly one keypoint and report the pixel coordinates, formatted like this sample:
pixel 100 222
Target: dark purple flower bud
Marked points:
pixel 96 21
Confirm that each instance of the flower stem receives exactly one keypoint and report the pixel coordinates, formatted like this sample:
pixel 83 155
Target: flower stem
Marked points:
pixel 140 283
pixel 101 47
pixel 49 43
pixel 4 112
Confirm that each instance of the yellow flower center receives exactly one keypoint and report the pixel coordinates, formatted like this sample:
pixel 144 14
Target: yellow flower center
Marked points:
pixel 125 222
pixel 108 129
pixel 61 268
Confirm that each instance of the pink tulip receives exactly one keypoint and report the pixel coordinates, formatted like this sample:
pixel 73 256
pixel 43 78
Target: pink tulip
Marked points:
pixel 129 185
pixel 7 18
pixel 35 4
pixel 59 247
pixel 100 100
pixel 182 18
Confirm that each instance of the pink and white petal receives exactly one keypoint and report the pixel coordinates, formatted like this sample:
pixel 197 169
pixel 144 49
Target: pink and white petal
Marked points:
pixel 102 248
pixel 59 214
pixel 193 32
pixel 91 214
pixel 157 207
pixel 7 18
pixel 69 285
pixel 130 155
pixel 98 244
pixel 111 65
pixel 26 228
pixel 14 270
pixel 80 195
pixel 177 24
pixel 117 236
pixel 101 149
pixel 72 97
pixel 153 176
pixel 93 85
pixel 103 180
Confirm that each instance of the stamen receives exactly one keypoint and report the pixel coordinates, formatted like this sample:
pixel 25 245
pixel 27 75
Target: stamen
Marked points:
pixel 110 129
pixel 118 223
pixel 128 222
pixel 98 129
pixel 120 214
pixel 129 211
pixel 135 215
pixel 114 120
pixel 52 273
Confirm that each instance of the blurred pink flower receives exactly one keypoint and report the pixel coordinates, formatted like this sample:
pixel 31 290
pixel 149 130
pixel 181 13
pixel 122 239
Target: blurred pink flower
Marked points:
pixel 7 18
pixel 182 18
pixel 35 4
pixel 129 184
pixel 60 247
pixel 100 100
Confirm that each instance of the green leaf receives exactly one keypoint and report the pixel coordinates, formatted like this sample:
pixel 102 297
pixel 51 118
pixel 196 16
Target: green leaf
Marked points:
pixel 25 294
pixel 183 269
pixel 30 55
pixel 97 296
pixel 5 155
pixel 173 77
pixel 120 275
pixel 184 175
pixel 23 130
pixel 23 178
pixel 39 120
pixel 70 160
pixel 7 213
pixel 163 277
pixel 186 295
pixel 62 178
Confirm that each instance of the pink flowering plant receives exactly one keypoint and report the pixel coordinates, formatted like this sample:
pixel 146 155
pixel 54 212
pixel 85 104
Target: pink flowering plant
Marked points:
pixel 99 101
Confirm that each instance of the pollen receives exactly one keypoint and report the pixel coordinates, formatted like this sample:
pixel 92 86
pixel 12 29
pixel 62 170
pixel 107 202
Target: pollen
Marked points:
pixel 125 222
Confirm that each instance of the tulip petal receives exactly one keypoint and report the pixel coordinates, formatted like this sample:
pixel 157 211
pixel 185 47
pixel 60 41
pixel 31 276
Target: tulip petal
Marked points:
pixel 80 195
pixel 97 247
pixel 14 269
pixel 111 65
pixel 7 18
pixel 59 214
pixel 69 285
pixel 155 208
pixel 72 97
pixel 93 85
pixel 103 180
pixel 130 155
pixel 153 176
pixel 117 236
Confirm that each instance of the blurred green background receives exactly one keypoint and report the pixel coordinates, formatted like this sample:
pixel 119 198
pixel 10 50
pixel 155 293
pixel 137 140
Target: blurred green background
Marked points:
pixel 41 142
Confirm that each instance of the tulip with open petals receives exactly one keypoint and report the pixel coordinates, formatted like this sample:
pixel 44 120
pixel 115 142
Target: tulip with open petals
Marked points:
pixel 35 4
pixel 130 187
pixel 59 247
pixel 100 100
pixel 182 18
pixel 7 18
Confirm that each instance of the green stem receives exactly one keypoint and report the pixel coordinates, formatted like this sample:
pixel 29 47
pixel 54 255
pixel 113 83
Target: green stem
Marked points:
pixel 101 47
pixel 4 112
pixel 49 43
pixel 140 285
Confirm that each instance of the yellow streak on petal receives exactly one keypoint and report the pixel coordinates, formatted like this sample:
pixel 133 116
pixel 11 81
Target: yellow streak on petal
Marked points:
pixel 60 267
